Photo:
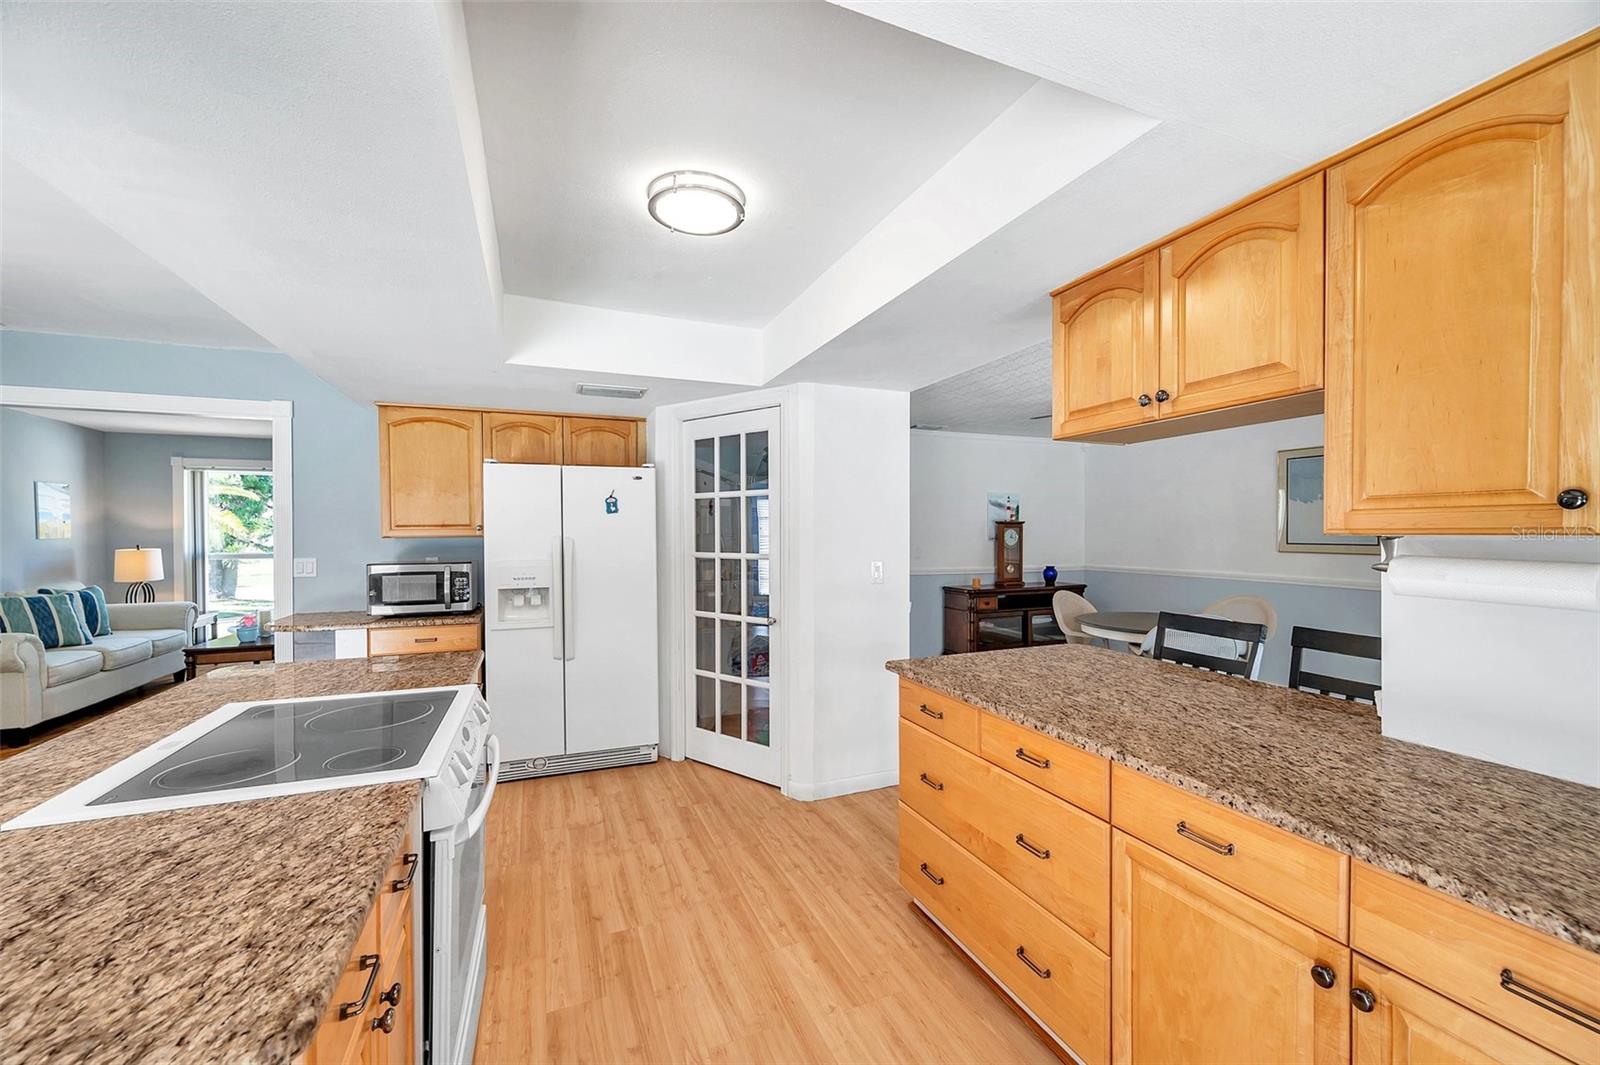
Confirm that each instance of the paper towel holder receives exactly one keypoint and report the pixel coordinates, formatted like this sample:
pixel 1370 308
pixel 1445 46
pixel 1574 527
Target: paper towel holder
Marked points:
pixel 1385 553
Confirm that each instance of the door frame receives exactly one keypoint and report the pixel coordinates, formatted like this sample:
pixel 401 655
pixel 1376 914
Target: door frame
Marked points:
pixel 280 412
pixel 668 430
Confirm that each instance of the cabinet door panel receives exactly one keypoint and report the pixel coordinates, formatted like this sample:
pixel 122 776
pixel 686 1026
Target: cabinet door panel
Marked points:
pixel 526 438
pixel 1410 1025
pixel 1463 387
pixel 1201 972
pixel 1241 304
pixel 1106 353
pixel 601 442
pixel 430 465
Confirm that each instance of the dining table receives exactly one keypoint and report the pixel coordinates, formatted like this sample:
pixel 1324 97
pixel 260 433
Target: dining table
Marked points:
pixel 1119 626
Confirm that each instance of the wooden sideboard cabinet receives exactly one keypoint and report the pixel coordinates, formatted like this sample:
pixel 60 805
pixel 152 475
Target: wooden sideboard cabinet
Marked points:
pixel 430 459
pixel 992 619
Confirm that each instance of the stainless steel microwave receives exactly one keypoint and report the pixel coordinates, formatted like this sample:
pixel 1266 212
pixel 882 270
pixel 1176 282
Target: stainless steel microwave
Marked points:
pixel 421 588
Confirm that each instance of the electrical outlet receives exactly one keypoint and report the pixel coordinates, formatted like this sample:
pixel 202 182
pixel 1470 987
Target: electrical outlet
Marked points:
pixel 305 567
pixel 877 573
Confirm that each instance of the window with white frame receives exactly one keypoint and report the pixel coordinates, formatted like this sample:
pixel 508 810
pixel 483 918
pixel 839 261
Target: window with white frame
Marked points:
pixel 230 540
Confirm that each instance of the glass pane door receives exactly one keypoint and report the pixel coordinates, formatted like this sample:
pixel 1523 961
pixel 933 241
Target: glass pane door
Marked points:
pixel 732 594
pixel 234 512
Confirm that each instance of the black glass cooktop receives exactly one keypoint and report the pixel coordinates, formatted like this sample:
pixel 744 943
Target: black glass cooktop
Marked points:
pixel 279 743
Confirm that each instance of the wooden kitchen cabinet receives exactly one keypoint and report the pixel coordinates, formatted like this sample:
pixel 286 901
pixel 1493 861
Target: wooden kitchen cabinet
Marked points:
pixel 1107 359
pixel 602 441
pixel 1241 305
pixel 1202 972
pixel 1395 1021
pixel 430 471
pixel 527 438
pixel 1463 384
pixel 430 459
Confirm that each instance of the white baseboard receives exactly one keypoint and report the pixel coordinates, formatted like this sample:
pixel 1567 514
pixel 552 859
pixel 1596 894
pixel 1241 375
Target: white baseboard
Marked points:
pixel 831 789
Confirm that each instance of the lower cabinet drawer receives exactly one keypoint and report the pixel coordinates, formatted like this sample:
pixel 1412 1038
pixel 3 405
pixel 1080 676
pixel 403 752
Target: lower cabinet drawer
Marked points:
pixel 941 715
pixel 1052 970
pixel 422 639
pixel 340 1035
pixel 1077 776
pixel 1052 851
pixel 1533 984
pixel 394 894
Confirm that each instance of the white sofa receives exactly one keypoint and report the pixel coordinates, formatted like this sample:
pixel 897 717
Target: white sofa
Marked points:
pixel 36 685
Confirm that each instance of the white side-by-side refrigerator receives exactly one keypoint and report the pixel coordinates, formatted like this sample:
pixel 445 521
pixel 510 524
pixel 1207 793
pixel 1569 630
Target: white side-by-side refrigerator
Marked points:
pixel 569 598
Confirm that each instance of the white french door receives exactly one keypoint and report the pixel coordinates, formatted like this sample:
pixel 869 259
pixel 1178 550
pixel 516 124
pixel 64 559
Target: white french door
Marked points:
pixel 734 721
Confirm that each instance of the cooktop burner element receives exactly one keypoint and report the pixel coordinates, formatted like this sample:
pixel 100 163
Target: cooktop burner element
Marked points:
pixel 286 742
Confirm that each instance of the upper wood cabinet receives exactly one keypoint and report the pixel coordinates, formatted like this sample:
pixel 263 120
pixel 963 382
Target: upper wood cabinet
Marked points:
pixel 1463 374
pixel 531 438
pixel 1241 305
pixel 430 471
pixel 602 441
pixel 1106 361
pixel 430 459
pixel 1201 972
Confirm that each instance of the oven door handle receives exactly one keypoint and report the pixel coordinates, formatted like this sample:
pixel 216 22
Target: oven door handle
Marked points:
pixel 474 822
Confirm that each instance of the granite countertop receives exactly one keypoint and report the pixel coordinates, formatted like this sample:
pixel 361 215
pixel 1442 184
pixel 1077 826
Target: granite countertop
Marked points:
pixel 210 934
pixel 1516 843
pixel 360 619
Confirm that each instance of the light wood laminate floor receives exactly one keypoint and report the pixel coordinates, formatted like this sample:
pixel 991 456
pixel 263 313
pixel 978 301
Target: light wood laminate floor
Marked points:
pixel 674 912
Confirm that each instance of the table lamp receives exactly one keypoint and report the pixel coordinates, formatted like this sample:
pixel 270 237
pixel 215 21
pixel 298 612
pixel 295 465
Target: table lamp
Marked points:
pixel 136 567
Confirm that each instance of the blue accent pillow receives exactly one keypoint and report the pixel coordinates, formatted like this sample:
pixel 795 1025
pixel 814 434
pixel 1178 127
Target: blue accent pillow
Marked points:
pixel 91 606
pixel 53 618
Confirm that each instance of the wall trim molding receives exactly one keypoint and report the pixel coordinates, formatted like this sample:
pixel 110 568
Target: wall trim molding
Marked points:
pixel 829 789
pixel 1360 583
pixel 987 566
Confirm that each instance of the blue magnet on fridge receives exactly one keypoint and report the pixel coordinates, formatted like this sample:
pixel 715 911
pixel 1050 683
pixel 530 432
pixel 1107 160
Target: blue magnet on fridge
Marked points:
pixel 611 503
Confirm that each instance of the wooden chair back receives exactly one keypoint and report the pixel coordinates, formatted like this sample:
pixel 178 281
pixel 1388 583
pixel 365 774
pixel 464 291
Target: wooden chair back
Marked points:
pixel 1349 644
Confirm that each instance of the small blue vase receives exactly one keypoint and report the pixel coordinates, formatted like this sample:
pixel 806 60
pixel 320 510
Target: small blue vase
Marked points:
pixel 1050 574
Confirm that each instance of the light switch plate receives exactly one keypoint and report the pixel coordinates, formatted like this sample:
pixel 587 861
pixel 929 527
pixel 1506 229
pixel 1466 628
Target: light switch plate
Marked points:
pixel 877 573
pixel 305 567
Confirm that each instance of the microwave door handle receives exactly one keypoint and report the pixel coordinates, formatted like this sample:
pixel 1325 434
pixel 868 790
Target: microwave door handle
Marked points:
pixel 569 599
pixel 474 822
pixel 558 592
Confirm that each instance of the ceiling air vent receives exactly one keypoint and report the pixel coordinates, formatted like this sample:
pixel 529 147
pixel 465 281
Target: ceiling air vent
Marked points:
pixel 612 391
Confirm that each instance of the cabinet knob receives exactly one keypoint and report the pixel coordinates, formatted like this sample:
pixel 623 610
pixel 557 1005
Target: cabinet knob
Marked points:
pixel 1324 976
pixel 1162 395
pixel 1572 498
pixel 385 1022
pixel 1362 999
pixel 391 996
pixel 1144 399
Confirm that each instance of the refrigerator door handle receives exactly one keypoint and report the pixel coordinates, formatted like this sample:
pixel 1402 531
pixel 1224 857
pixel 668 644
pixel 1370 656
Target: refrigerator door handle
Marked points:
pixel 569 599
pixel 558 593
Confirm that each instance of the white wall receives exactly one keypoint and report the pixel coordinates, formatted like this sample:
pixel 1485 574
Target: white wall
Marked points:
pixel 952 475
pixel 1205 505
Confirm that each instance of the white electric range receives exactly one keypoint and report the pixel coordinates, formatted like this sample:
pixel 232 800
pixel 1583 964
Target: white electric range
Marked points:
pixel 258 750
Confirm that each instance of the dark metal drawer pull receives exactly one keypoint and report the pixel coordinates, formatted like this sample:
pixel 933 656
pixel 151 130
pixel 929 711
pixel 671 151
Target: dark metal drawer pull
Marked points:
pixel 937 715
pixel 356 1008
pixel 410 861
pixel 931 875
pixel 425 639
pixel 1042 763
pixel 1225 849
pixel 1030 848
pixel 1587 1021
pixel 1043 974
pixel 934 784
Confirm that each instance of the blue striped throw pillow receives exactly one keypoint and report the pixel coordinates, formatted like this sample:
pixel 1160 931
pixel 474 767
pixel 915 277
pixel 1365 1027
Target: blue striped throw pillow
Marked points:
pixel 53 618
pixel 91 606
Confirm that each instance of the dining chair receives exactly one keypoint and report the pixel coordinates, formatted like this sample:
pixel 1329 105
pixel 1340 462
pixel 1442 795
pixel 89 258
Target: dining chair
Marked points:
pixel 1218 651
pixel 1349 644
pixel 1251 608
pixel 1068 607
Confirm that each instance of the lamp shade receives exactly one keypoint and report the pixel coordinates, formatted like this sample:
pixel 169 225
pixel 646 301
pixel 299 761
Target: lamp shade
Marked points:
pixel 135 564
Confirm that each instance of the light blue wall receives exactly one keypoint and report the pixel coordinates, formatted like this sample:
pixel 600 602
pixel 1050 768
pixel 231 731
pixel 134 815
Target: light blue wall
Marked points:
pixel 1316 606
pixel 39 449
pixel 335 443
pixel 139 486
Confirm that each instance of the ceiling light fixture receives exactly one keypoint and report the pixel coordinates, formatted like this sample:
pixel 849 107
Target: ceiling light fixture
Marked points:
pixel 695 202
pixel 611 391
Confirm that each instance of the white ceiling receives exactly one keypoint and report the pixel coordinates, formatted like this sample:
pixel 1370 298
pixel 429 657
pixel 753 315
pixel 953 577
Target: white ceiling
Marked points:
pixel 315 177
pixel 826 119
pixel 1007 397
pixel 62 270
pixel 117 421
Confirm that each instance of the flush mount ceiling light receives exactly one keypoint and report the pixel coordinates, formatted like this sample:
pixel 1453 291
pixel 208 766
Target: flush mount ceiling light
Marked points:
pixel 695 202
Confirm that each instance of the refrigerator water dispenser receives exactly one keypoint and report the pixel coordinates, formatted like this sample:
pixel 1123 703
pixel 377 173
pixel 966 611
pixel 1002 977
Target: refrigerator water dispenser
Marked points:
pixel 521 596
